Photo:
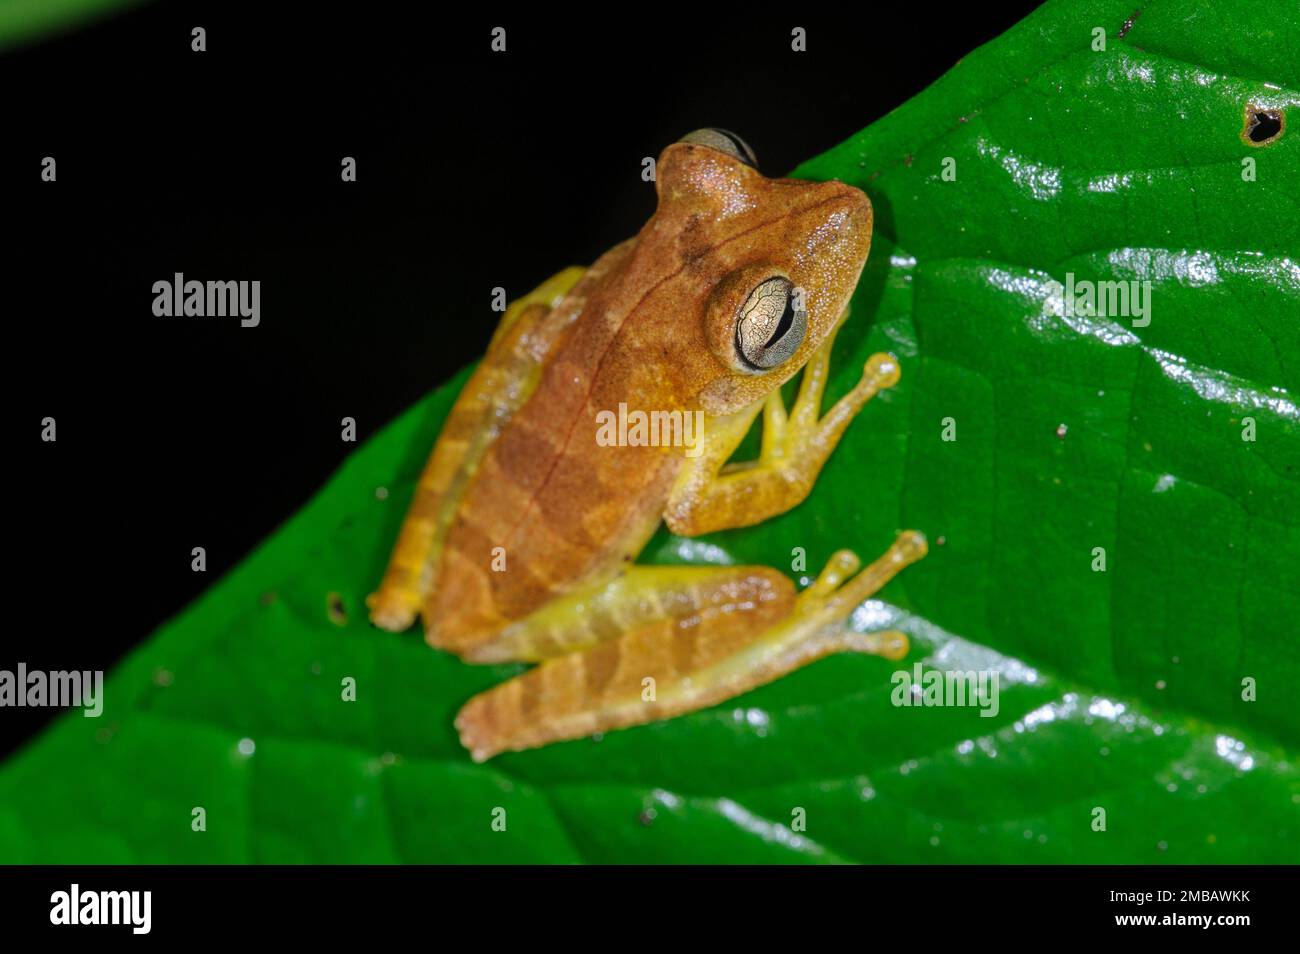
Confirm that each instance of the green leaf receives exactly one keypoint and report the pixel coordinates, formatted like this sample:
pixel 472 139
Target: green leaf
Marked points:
pixel 26 20
pixel 1120 690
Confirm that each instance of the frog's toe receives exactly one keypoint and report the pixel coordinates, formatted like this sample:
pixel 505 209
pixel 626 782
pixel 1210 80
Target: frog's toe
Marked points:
pixel 881 371
pixel 476 725
pixel 389 614
pixel 843 585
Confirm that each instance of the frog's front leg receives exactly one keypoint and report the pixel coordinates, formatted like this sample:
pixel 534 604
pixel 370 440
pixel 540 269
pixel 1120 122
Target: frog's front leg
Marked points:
pixel 713 495
pixel 672 665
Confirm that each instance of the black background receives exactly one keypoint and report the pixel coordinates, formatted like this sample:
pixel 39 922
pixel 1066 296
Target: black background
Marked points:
pixel 475 169
pixel 351 907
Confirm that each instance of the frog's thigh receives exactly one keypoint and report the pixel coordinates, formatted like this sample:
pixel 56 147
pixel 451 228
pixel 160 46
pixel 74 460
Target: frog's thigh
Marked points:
pixel 638 596
pixel 498 386
pixel 713 495
pixel 672 667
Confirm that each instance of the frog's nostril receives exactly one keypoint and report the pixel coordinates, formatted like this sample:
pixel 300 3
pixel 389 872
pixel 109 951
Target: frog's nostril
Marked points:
pixel 857 200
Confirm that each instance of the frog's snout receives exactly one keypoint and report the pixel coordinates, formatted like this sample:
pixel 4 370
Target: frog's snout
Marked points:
pixel 848 201
pixel 837 224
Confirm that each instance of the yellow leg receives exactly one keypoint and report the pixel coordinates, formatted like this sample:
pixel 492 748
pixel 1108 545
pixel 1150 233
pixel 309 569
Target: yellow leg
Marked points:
pixel 713 495
pixel 671 667
pixel 496 389
pixel 639 596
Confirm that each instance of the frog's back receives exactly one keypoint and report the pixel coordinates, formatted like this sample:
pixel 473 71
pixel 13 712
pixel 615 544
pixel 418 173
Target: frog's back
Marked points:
pixel 549 509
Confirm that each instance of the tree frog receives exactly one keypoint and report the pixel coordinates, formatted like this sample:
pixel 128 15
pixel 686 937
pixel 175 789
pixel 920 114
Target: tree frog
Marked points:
pixel 520 539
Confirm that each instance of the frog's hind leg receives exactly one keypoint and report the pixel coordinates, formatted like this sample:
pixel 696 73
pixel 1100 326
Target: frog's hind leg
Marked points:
pixel 497 388
pixel 638 596
pixel 713 495
pixel 671 667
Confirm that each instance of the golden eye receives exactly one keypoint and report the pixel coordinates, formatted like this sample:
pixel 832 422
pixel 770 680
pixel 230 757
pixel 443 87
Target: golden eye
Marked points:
pixel 723 141
pixel 770 329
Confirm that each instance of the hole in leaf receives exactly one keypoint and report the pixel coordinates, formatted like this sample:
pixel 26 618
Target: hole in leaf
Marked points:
pixel 335 609
pixel 1263 126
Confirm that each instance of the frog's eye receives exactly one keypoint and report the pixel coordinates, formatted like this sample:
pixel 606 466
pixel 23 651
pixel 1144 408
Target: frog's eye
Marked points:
pixel 770 329
pixel 723 141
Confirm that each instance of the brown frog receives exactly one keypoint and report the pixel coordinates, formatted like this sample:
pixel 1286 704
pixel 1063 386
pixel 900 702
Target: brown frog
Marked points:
pixel 543 486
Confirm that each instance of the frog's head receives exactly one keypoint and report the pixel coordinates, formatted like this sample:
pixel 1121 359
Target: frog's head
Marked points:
pixel 767 266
